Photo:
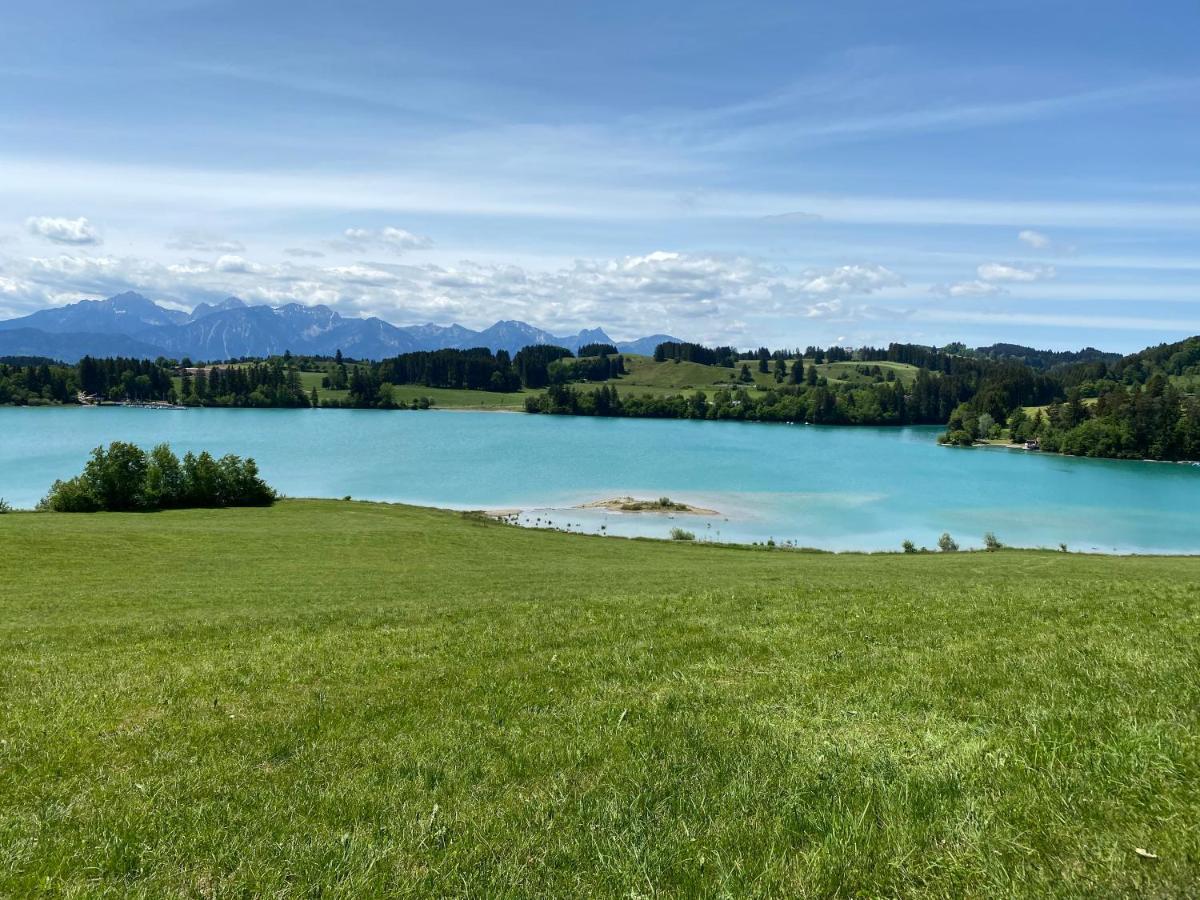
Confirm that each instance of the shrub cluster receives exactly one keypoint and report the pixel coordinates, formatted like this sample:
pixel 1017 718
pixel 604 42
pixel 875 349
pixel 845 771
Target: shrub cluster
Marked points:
pixel 124 477
pixel 947 544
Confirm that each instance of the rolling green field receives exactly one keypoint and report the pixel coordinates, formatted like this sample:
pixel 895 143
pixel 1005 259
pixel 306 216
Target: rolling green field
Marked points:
pixel 447 398
pixel 1032 411
pixel 453 398
pixel 312 380
pixel 848 371
pixel 356 700
pixel 645 376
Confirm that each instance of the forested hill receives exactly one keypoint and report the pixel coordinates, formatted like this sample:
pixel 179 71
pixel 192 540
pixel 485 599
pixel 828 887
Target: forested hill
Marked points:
pixel 1045 359
pixel 1178 360
pixel 1142 406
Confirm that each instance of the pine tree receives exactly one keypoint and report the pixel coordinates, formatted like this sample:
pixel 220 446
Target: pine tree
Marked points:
pixel 797 373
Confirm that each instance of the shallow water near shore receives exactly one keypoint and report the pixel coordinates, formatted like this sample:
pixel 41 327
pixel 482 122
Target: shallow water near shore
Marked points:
pixel 834 488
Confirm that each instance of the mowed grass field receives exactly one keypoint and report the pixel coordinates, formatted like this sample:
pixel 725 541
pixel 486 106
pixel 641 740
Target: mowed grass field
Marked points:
pixel 357 700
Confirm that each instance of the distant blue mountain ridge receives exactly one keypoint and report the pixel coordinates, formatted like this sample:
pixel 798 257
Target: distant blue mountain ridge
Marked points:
pixel 132 325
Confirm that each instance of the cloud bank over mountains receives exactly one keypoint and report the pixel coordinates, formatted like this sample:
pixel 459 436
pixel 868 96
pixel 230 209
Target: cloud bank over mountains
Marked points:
pixel 367 272
pixel 130 324
pixel 400 275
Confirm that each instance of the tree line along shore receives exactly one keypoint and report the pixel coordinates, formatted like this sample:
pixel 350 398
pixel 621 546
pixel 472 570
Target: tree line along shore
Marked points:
pixel 1141 406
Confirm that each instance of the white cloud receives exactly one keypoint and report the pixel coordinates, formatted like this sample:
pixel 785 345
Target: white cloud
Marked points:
pixel 191 267
pixel 1014 272
pixel 853 279
pixel 829 309
pixel 237 265
pixel 74 267
pixel 968 289
pixel 1034 239
pixel 63 231
pixel 303 253
pixel 361 274
pixel 398 240
pixel 1039 240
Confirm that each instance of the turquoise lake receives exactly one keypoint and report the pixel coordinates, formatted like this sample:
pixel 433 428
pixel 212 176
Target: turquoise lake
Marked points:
pixel 828 487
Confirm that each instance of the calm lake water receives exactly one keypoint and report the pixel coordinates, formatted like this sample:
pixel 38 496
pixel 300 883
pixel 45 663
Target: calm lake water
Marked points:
pixel 828 487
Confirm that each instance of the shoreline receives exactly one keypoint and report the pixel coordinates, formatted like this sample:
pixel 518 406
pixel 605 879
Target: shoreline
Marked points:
pixel 1005 445
pixel 506 516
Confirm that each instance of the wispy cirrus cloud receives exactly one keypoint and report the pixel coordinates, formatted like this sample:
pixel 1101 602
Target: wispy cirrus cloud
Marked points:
pixel 799 217
pixel 139 189
pixel 200 243
pixel 1062 320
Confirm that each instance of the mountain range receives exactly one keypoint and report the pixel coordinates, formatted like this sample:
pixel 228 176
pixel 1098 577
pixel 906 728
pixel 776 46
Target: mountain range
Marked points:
pixel 132 325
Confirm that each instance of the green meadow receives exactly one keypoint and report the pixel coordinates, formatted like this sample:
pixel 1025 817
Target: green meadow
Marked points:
pixel 645 376
pixel 345 699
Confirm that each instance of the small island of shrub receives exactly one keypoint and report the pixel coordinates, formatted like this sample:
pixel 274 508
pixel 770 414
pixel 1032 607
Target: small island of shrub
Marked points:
pixel 125 478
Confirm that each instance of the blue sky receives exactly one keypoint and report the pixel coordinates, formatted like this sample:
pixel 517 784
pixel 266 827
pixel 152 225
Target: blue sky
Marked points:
pixel 785 173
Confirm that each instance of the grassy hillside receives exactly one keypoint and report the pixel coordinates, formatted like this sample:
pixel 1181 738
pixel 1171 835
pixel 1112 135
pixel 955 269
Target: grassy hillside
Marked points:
pixel 849 371
pixel 379 700
pixel 644 375
pixel 643 372
pixel 445 398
